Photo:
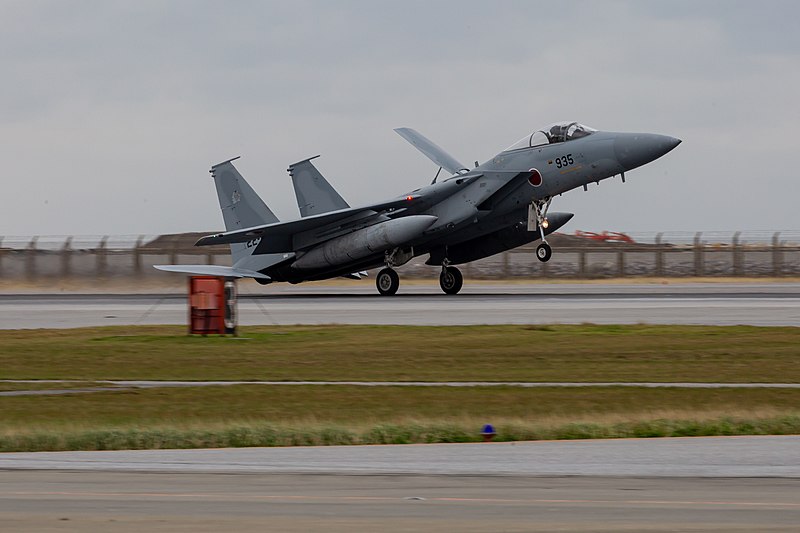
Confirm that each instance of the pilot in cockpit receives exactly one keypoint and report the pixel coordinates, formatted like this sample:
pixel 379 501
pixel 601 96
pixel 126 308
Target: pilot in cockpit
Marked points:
pixel 555 133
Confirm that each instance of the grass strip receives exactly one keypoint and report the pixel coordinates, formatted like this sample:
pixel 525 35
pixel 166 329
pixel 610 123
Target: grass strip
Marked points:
pixel 43 386
pixel 343 405
pixel 246 435
pixel 255 415
pixel 410 353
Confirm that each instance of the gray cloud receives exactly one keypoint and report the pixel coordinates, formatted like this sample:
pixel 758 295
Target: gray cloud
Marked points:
pixel 112 112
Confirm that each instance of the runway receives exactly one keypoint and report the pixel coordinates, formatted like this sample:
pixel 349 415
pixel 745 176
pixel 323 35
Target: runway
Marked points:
pixel 697 484
pixel 767 304
pixel 128 502
pixel 694 484
pixel 768 456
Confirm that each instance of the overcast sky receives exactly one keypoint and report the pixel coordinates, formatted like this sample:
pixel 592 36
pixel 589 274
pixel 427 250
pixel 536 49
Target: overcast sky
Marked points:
pixel 111 113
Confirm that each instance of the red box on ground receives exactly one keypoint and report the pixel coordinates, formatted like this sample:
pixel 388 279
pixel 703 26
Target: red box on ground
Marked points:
pixel 212 305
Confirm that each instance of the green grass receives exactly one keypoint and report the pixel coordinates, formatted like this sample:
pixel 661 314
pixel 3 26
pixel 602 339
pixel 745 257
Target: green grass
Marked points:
pixel 256 415
pixel 259 415
pixel 351 404
pixel 41 386
pixel 406 353
pixel 244 435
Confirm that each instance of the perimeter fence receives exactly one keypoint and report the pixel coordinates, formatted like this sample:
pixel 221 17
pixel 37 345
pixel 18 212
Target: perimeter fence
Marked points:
pixel 584 255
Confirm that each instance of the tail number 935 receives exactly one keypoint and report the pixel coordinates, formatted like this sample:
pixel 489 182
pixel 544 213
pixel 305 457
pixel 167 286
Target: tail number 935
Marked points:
pixel 564 161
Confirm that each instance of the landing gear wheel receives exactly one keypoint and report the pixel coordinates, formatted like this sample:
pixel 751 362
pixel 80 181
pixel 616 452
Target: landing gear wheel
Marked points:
pixel 544 252
pixel 451 280
pixel 387 282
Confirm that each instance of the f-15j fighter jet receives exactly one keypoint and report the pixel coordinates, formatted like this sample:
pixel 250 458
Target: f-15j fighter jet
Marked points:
pixel 470 214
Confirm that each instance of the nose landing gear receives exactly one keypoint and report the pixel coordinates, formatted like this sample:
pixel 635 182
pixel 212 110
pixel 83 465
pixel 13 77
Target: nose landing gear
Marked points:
pixel 537 218
pixel 544 252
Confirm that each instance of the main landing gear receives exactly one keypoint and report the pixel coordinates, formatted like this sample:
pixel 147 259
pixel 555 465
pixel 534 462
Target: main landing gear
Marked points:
pixel 387 281
pixel 539 208
pixel 450 280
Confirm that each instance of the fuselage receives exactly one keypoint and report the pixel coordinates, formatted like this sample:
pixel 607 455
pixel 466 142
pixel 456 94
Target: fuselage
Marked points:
pixel 487 207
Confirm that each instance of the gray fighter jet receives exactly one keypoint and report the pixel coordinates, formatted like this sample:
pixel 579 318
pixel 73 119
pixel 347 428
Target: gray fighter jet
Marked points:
pixel 474 213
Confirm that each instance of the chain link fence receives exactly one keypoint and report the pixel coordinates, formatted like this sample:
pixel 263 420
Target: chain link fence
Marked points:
pixel 581 256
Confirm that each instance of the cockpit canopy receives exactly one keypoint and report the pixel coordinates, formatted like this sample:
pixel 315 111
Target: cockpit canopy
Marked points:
pixel 555 133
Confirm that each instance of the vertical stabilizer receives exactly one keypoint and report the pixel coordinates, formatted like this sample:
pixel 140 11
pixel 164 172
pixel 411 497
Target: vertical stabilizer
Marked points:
pixel 241 206
pixel 314 194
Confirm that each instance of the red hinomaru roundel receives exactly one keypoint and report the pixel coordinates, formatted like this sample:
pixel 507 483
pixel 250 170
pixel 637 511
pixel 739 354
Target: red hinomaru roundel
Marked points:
pixel 535 178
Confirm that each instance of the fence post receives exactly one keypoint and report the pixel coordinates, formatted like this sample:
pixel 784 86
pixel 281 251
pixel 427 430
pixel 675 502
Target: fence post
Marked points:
pixel 506 264
pixel 621 263
pixel 137 256
pixel 101 262
pixel 582 263
pixel 66 257
pixel 699 260
pixel 30 258
pixel 737 259
pixel 777 255
pixel 173 254
pixel 659 256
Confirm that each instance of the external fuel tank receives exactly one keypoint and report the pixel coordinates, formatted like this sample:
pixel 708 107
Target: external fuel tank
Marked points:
pixel 365 242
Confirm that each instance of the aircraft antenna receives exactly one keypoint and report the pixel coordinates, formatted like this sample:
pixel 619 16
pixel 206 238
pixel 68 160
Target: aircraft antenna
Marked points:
pixel 436 176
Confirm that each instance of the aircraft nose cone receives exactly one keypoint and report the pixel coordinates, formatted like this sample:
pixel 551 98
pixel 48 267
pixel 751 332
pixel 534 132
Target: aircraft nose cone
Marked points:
pixel 637 149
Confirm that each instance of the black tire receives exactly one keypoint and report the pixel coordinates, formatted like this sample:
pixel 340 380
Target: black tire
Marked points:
pixel 451 280
pixel 387 282
pixel 544 252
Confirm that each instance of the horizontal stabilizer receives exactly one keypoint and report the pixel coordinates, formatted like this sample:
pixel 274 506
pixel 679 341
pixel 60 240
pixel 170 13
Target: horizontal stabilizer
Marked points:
pixel 213 270
pixel 431 150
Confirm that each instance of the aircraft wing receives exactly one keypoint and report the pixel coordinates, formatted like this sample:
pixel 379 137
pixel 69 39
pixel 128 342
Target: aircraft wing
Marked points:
pixel 283 236
pixel 431 150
